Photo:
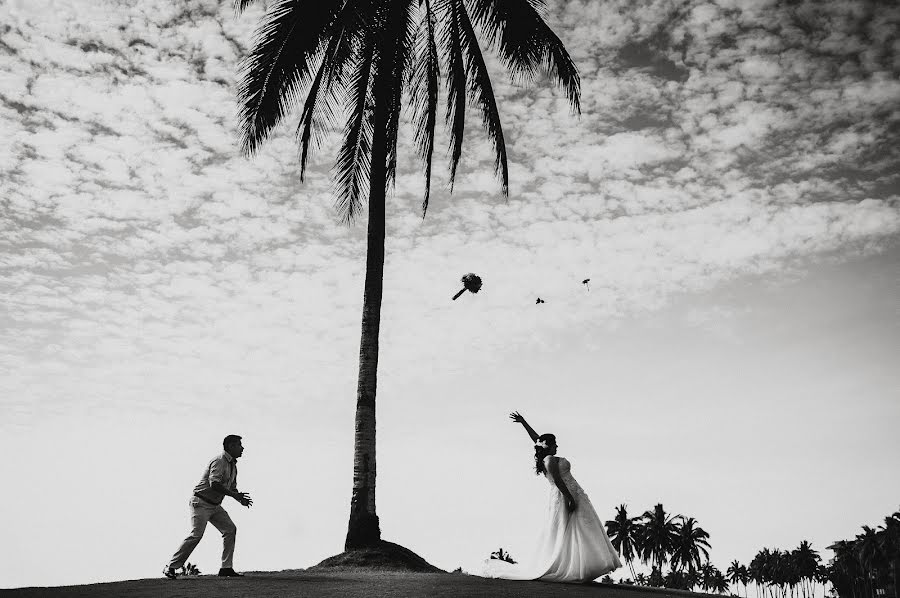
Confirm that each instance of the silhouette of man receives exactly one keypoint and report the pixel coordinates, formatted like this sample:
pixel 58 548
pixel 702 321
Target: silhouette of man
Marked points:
pixel 219 480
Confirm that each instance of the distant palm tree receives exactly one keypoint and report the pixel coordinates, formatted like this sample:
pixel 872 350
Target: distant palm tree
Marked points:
pixel 868 551
pixel 676 580
pixel 692 579
pixel 745 578
pixel 779 571
pixel 691 545
pixel 758 572
pixel 623 533
pixel 719 584
pixel 793 577
pixel 733 572
pixel 362 59
pixel 805 561
pixel 658 532
pixel 707 575
pixel 712 579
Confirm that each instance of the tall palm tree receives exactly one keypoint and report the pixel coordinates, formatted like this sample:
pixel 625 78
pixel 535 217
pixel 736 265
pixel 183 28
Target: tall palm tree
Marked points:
pixel 870 556
pixel 733 572
pixel 806 560
pixel 792 575
pixel 658 534
pixel 623 533
pixel 744 578
pixel 759 570
pixel 780 570
pixel 691 544
pixel 360 59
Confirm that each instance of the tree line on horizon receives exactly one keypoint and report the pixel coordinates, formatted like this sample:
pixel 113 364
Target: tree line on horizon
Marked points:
pixel 657 538
pixel 865 567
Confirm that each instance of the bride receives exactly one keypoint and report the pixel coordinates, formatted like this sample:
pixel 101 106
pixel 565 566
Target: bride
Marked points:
pixel 573 546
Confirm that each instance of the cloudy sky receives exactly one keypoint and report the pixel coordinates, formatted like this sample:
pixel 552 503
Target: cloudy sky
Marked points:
pixel 731 189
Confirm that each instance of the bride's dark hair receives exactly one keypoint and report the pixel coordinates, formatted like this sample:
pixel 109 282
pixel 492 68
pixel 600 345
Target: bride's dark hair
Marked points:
pixel 540 452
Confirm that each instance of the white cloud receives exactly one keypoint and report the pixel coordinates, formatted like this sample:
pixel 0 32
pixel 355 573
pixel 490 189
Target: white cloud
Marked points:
pixel 758 68
pixel 624 151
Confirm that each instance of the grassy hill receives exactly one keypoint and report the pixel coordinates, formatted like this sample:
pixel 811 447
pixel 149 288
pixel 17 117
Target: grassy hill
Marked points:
pixel 349 583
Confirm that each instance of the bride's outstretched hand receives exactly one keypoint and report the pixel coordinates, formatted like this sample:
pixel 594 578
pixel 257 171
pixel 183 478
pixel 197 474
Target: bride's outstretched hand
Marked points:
pixel 516 417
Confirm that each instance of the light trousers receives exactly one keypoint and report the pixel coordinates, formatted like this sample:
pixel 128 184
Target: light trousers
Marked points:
pixel 202 513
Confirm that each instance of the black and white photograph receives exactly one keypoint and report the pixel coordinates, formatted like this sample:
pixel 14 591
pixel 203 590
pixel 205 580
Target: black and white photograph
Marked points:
pixel 475 298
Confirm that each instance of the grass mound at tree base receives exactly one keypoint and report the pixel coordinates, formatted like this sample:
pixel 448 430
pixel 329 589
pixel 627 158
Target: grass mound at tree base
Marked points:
pixel 348 582
pixel 385 556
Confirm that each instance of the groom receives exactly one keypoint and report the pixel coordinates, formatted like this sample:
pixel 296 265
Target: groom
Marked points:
pixel 219 480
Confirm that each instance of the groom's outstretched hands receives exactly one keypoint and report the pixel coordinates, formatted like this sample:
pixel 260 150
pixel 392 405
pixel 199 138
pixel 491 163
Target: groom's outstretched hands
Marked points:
pixel 244 499
pixel 516 417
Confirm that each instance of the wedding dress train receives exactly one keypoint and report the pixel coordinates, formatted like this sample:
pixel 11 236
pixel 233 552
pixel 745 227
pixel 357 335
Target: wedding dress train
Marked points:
pixel 573 547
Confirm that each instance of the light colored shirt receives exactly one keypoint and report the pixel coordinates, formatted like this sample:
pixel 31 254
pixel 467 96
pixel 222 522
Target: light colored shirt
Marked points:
pixel 222 469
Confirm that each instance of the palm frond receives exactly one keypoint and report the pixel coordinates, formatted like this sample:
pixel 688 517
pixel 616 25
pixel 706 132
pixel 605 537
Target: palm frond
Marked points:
pixel 318 110
pixel 481 91
pixel 424 92
pixel 278 65
pixel 516 29
pixel 353 163
pixel 456 81
pixel 241 5
pixel 401 26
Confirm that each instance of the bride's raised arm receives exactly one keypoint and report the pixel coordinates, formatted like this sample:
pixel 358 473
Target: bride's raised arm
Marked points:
pixel 517 418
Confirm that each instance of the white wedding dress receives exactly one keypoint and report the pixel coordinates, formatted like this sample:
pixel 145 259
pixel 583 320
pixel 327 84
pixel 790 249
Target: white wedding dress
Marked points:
pixel 573 547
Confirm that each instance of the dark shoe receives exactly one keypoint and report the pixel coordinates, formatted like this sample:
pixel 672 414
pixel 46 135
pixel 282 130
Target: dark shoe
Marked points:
pixel 170 572
pixel 229 573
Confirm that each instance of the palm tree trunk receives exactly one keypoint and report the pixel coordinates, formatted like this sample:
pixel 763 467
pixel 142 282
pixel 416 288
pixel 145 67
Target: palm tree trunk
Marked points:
pixel 363 530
